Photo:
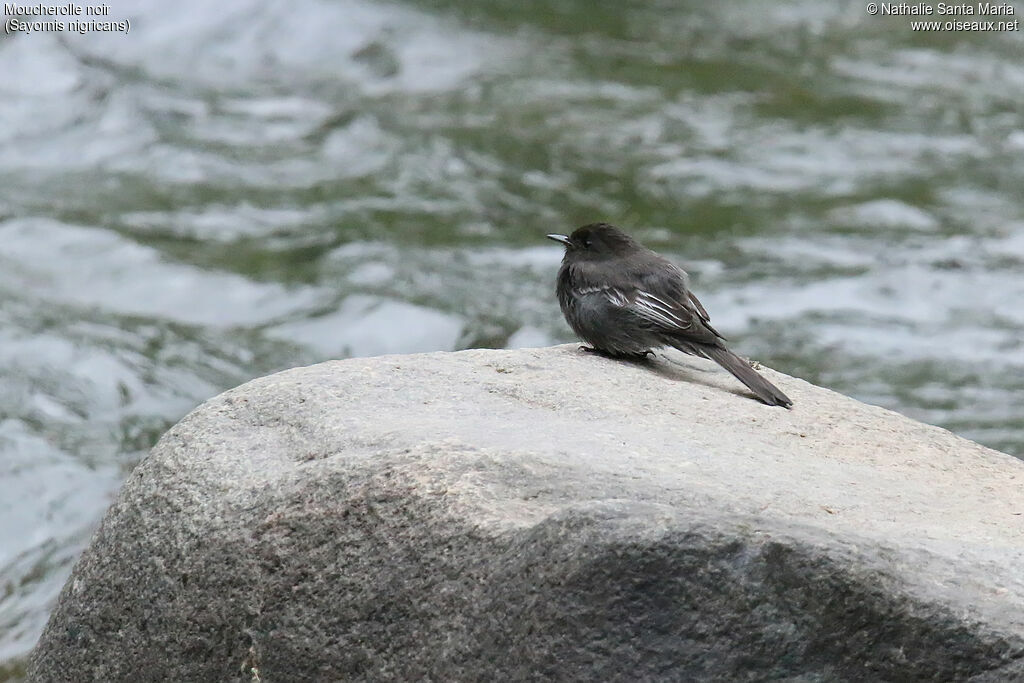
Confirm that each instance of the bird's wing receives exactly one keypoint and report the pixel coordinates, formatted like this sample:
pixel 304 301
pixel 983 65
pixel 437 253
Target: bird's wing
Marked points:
pixel 677 315
pixel 700 307
pixel 671 315
pixel 656 291
pixel 615 295
pixel 663 312
pixel 665 298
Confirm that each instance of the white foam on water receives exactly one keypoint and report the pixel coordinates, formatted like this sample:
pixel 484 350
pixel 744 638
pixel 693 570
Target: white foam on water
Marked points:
pixel 370 326
pixel 78 266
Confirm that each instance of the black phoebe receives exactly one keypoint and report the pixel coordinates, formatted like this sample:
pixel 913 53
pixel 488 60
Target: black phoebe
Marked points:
pixel 624 300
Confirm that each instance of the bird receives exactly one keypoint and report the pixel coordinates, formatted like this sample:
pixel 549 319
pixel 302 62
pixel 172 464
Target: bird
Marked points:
pixel 626 300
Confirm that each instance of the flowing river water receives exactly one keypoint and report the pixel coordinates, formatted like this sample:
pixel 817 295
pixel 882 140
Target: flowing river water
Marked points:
pixel 234 188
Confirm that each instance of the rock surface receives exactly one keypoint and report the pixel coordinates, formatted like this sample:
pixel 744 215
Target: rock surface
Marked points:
pixel 548 514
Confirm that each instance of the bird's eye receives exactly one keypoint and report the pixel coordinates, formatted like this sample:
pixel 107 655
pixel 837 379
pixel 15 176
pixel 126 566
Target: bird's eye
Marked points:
pixel 587 242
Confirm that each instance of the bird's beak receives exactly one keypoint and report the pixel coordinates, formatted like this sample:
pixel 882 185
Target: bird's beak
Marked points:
pixel 560 238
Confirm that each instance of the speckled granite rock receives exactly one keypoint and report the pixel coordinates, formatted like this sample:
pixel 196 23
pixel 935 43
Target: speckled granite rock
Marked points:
pixel 547 514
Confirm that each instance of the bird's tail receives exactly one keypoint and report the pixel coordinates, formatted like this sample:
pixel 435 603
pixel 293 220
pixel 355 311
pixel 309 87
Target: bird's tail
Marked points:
pixel 765 390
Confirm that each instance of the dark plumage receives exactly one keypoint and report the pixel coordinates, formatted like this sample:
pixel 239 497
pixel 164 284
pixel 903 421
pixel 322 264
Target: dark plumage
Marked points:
pixel 624 300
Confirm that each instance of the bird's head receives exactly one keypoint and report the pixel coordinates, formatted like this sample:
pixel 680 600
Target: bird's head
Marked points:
pixel 597 241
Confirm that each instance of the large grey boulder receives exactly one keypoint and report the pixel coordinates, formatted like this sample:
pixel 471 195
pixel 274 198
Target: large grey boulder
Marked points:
pixel 548 514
